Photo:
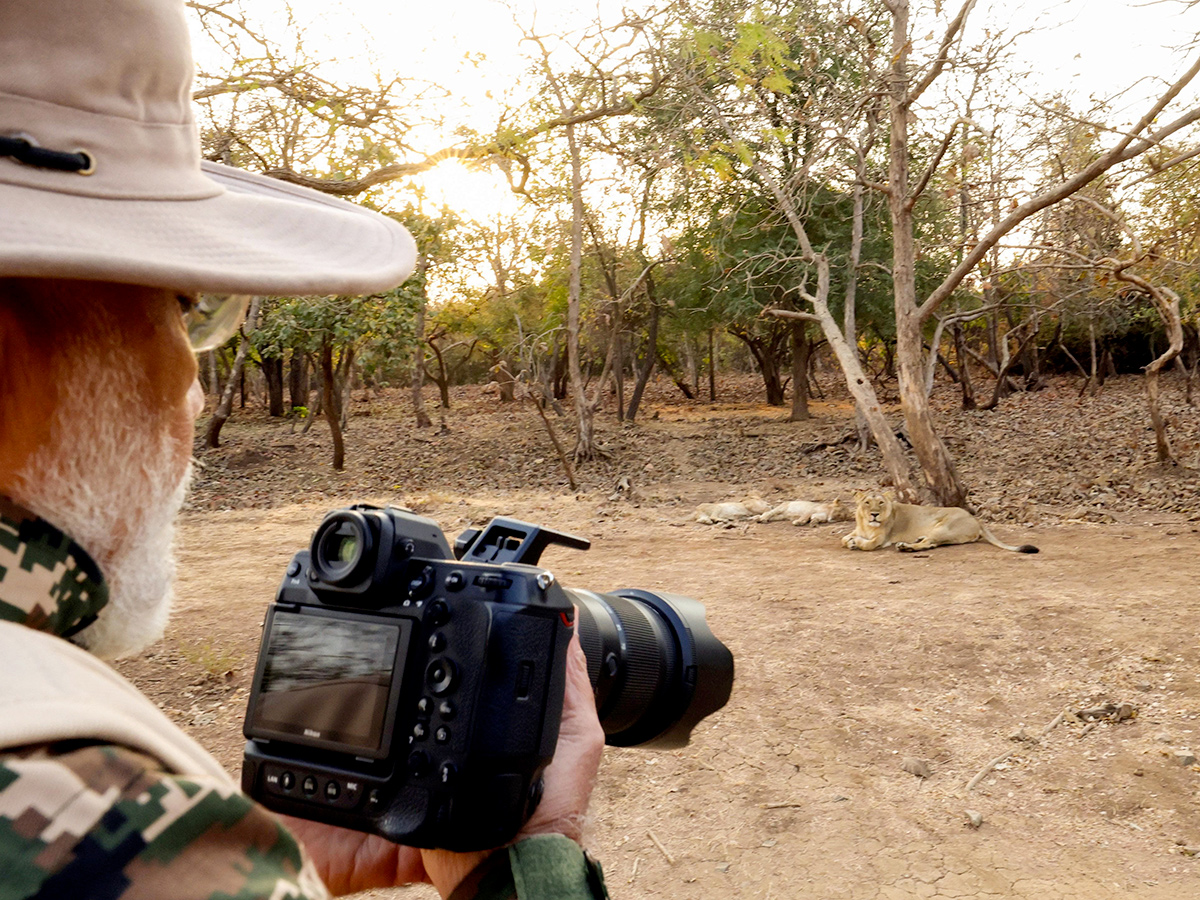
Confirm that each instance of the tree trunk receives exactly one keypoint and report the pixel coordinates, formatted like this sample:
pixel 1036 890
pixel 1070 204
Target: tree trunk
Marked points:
pixel 298 380
pixel 331 403
pixel 767 352
pixel 941 477
pixel 691 364
pixel 214 375
pixel 857 381
pixel 504 377
pixel 801 347
pixel 679 382
pixel 712 366
pixel 442 379
pixel 1167 303
pixel 772 380
pixel 619 376
pixel 344 379
pixel 272 368
pixel 964 371
pixel 418 366
pixel 651 354
pixel 212 436
pixel 585 442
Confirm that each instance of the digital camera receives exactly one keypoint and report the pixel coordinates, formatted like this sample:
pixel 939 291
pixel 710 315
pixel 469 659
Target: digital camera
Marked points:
pixel 409 691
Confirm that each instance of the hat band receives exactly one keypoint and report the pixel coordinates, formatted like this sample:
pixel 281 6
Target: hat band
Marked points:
pixel 130 160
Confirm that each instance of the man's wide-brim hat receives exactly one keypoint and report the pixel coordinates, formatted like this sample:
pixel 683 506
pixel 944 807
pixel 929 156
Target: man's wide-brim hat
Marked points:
pixel 101 176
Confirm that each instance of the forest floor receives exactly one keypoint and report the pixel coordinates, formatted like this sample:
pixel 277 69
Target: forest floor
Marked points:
pixel 853 669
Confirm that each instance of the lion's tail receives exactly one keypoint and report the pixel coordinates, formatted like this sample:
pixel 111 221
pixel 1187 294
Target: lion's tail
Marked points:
pixel 991 539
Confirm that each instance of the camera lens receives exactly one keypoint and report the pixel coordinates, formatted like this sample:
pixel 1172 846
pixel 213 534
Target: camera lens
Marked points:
pixel 655 666
pixel 341 548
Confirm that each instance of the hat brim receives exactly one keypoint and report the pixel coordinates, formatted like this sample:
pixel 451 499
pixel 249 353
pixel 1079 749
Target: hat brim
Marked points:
pixel 257 236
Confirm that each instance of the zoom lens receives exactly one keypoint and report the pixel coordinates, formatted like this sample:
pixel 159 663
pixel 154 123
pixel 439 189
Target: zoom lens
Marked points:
pixel 655 666
pixel 342 548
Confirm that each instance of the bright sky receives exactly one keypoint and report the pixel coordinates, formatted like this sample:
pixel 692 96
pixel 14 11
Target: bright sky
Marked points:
pixel 1103 47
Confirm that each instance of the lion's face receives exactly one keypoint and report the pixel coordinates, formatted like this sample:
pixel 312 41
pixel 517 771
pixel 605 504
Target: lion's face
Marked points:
pixel 874 511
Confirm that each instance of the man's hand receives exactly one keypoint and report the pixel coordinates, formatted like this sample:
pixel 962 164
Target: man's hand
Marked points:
pixel 352 861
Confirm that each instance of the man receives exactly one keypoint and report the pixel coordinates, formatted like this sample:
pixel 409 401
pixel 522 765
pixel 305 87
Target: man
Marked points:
pixel 109 230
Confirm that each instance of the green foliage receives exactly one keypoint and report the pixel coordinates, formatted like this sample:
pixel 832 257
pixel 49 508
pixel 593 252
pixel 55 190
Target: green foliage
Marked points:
pixel 377 326
pixel 744 261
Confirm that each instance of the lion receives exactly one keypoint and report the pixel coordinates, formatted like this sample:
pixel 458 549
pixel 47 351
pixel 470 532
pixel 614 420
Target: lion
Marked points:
pixel 730 510
pixel 882 522
pixel 809 512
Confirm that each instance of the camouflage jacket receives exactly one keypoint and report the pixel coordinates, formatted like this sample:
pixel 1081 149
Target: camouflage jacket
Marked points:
pixel 85 813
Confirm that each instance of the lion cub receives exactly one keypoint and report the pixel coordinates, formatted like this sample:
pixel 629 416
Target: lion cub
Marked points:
pixel 809 512
pixel 729 511
pixel 882 522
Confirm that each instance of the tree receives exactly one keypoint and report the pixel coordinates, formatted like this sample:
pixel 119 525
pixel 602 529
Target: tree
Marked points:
pixel 433 235
pixel 905 86
pixel 767 89
pixel 334 331
pixel 607 80
pixel 775 104
pixel 212 434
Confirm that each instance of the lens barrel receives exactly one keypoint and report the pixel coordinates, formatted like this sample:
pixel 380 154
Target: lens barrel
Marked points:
pixel 655 666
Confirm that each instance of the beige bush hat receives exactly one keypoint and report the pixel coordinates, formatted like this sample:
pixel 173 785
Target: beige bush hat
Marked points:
pixel 101 177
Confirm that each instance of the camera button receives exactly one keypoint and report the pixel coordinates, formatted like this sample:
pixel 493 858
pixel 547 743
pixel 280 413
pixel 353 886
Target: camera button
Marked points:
pixel 351 795
pixel 422 585
pixel 423 706
pixel 455 581
pixel 448 773
pixel 437 642
pixel 438 613
pixel 446 710
pixel 418 763
pixel 287 781
pixel 441 676
pixel 333 790
pixel 442 735
pixel 420 732
pixel 293 569
pixel 309 785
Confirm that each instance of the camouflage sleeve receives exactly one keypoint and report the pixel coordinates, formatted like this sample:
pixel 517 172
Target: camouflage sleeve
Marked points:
pixel 84 820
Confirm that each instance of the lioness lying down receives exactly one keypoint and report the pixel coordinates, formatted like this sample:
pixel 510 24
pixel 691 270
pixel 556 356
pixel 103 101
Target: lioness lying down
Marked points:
pixel 729 511
pixel 809 512
pixel 882 522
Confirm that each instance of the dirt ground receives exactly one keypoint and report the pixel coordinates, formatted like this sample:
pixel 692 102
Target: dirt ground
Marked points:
pixel 852 668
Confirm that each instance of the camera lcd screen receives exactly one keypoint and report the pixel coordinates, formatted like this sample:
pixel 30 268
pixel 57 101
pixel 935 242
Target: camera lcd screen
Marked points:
pixel 328 681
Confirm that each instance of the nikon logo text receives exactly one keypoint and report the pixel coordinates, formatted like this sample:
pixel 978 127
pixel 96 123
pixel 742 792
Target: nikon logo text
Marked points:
pixel 308 732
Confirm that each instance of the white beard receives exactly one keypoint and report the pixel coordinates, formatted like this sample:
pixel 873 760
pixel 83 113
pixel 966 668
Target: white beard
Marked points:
pixel 110 479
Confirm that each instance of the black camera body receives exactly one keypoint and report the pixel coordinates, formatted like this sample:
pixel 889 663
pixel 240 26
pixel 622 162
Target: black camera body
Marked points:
pixel 403 692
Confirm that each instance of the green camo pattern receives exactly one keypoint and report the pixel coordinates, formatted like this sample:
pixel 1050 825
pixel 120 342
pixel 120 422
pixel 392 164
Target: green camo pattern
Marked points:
pixel 83 820
pixel 47 581
pixel 96 822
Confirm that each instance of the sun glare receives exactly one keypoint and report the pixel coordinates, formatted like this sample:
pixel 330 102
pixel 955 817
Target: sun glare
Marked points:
pixel 478 193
